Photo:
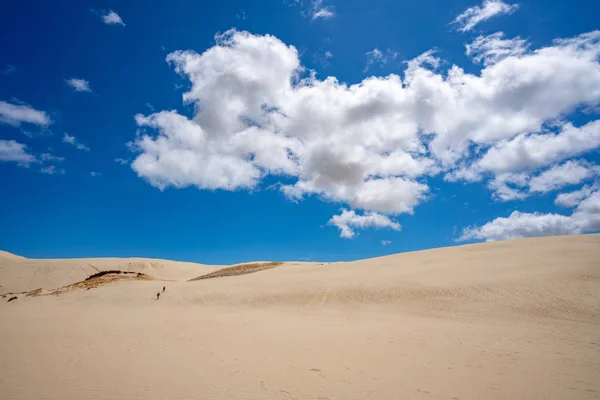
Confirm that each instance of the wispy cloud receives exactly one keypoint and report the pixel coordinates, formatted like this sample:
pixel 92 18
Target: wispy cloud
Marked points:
pixel 8 69
pixel 16 114
pixel 493 48
pixel 72 140
pixel 43 132
pixel 472 16
pixel 94 174
pixel 376 56
pixel 52 170
pixel 79 85
pixel 12 151
pixel 112 18
pixel 320 11
pixel 241 15
pixel 323 57
pixel 51 157
pixel 386 242
pixel 348 222
pixel 121 161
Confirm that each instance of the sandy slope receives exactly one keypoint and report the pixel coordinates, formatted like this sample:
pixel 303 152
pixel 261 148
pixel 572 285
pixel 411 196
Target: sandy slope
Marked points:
pixel 508 320
pixel 19 274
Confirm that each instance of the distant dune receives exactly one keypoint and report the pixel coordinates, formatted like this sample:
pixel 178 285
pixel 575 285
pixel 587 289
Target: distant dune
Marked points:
pixel 20 274
pixel 505 320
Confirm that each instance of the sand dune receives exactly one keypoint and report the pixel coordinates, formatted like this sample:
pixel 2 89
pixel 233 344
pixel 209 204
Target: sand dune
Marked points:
pixel 508 320
pixel 20 274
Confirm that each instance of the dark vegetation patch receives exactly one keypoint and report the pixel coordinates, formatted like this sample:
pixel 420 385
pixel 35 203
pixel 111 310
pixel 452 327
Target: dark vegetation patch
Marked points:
pixel 103 278
pixel 241 269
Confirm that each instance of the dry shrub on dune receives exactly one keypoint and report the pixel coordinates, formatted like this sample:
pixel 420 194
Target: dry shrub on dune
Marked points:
pixel 241 269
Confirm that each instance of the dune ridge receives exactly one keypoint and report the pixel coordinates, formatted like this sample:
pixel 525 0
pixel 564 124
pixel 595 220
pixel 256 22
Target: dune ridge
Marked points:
pixel 20 274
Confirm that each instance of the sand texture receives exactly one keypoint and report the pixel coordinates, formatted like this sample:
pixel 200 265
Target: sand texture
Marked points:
pixel 508 320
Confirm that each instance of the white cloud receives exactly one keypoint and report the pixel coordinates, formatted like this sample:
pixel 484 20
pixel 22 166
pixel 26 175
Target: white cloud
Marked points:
pixel 95 174
pixel 513 97
pixel 376 56
pixel 320 11
pixel 121 161
pixel 472 16
pixel 386 195
pixel 12 151
pixel 112 18
pixel 587 213
pixel 72 140
pixel 343 143
pixel 569 173
pixel 490 49
pixel 370 145
pixel 69 139
pixel 79 85
pixel 571 199
pixel 519 225
pixel 348 222
pixel 540 150
pixel 323 13
pixel 52 170
pixel 509 186
pixel 585 218
pixel 463 173
pixel 16 114
pixel 181 156
pixel 386 242
pixel 50 157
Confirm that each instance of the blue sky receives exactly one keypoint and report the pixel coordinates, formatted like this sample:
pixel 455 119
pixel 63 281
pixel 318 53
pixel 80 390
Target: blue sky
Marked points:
pixel 223 132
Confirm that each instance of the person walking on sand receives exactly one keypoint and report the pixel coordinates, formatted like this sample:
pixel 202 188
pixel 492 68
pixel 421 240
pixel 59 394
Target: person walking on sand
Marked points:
pixel 157 295
pixel 164 287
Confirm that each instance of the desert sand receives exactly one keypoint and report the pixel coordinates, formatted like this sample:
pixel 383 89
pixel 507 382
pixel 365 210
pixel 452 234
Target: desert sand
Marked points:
pixel 507 320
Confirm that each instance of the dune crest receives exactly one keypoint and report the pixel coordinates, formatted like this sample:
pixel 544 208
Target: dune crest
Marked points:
pixel 20 274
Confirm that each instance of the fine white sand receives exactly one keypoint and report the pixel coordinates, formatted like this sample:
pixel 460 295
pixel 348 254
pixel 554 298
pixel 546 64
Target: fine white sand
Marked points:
pixel 507 320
